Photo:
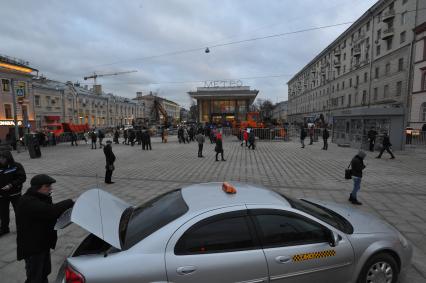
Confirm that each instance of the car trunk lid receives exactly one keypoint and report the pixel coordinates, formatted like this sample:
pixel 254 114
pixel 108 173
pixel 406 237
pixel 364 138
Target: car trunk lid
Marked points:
pixel 98 212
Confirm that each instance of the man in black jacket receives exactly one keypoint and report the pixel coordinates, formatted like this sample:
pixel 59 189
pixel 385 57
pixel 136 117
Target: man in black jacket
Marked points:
pixel 110 159
pixel 325 136
pixel 12 176
pixel 36 216
pixel 386 146
pixel 372 138
pixel 357 165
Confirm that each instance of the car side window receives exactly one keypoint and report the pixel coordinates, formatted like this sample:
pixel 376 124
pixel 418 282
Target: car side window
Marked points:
pixel 217 235
pixel 288 229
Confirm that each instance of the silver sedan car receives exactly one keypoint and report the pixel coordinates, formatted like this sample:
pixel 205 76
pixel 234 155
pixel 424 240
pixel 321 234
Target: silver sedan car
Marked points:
pixel 221 232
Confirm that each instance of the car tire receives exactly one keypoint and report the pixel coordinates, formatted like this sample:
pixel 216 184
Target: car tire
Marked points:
pixel 379 266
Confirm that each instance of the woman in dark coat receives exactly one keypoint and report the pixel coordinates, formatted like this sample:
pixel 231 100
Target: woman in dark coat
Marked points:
pixel 110 159
pixel 219 147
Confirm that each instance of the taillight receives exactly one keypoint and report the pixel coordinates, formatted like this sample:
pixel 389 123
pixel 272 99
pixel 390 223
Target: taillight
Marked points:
pixel 72 276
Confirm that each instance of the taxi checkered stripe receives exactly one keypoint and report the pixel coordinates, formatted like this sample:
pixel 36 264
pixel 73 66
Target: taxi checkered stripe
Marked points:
pixel 314 255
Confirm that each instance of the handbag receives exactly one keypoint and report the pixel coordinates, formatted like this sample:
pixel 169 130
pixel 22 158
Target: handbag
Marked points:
pixel 348 172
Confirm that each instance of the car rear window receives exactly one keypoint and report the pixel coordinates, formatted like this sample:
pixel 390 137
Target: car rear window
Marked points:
pixel 151 216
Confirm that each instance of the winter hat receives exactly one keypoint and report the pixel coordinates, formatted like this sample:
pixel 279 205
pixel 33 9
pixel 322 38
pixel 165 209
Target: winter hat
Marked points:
pixel 362 154
pixel 39 180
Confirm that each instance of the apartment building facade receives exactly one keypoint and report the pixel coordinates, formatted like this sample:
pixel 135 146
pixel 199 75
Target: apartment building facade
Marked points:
pixel 362 79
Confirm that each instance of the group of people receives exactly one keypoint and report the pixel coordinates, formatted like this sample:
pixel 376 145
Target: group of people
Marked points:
pixel 35 215
pixel 249 138
pixel 304 130
pixel 186 134
pixel 133 136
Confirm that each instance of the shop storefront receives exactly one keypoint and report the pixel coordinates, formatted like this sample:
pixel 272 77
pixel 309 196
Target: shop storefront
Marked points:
pixel 351 127
pixel 223 105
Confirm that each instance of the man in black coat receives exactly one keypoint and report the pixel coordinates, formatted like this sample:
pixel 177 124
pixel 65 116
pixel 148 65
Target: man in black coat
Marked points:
pixel 302 136
pixel 251 140
pixel 94 138
pixel 386 146
pixel 325 136
pixel 219 147
pixel 372 138
pixel 110 159
pixel 357 165
pixel 35 221
pixel 12 176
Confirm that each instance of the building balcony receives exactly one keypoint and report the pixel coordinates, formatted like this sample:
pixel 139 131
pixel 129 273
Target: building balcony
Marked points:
pixel 389 15
pixel 357 51
pixel 388 33
pixel 337 64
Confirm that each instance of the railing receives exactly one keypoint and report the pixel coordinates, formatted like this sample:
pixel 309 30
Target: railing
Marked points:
pixel 415 138
pixel 261 134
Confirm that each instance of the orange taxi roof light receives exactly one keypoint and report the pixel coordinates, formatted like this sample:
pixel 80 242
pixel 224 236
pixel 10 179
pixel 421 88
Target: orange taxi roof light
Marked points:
pixel 228 188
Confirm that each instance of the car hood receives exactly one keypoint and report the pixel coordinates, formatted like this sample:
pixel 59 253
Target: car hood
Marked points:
pixel 362 222
pixel 99 213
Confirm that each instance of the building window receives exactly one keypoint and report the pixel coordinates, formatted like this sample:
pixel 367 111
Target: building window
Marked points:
pixel 376 93
pixel 5 85
pixel 376 73
pixel 387 70
pixel 48 100
pixel 349 99
pixel 386 91
pixel 37 100
pixel 364 97
pixel 399 88
pixel 400 64
pixel 350 82
pixel 338 85
pixel 404 18
pixel 343 85
pixel 357 80
pixel 424 81
pixel 378 50
pixel 344 56
pixel 365 77
pixel 368 26
pixel 8 111
pixel 404 2
pixel 423 111
pixel 402 37
pixel 389 44
pixel 379 34
pixel 379 17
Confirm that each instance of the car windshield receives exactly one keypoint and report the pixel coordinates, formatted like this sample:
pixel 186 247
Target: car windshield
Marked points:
pixel 139 223
pixel 330 217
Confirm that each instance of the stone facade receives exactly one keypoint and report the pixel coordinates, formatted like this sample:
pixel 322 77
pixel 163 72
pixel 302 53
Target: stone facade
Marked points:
pixel 367 66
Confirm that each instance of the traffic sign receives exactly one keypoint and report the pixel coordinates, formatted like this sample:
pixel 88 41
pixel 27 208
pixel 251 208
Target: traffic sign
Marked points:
pixel 20 90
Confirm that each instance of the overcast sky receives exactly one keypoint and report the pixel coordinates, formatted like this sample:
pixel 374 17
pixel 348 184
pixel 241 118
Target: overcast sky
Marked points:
pixel 67 40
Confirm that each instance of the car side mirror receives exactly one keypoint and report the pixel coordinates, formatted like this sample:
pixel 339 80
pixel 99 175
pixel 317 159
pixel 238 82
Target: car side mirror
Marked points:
pixel 334 239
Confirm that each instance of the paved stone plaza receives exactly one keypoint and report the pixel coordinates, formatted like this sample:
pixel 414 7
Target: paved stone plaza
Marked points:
pixel 392 189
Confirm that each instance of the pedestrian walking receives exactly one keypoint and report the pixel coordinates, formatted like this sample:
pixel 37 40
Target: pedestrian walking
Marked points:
pixel 139 137
pixel 185 135
pixel 132 137
pixel 146 140
pixel 94 137
pixel 200 140
pixel 371 135
pixel 110 159
pixel 125 136
pixel 386 145
pixel 164 135
pixel 35 220
pixel 12 176
pixel 302 136
pixel 219 147
pixel 245 137
pixel 325 136
pixel 101 136
pixel 74 139
pixel 116 136
pixel 311 135
pixel 357 165
pixel 251 140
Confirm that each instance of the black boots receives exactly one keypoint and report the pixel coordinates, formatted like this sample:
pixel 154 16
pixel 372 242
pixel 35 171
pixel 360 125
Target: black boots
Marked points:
pixel 354 200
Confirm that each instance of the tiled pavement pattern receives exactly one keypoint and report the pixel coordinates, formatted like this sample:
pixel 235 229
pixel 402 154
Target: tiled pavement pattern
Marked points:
pixel 392 189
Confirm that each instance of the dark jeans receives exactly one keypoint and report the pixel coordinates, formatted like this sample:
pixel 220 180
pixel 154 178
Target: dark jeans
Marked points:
pixel 251 145
pixel 200 150
pixel 93 144
pixel 108 175
pixel 4 210
pixel 325 144
pixel 221 153
pixel 383 150
pixel 372 144
pixel 38 267
pixel 311 139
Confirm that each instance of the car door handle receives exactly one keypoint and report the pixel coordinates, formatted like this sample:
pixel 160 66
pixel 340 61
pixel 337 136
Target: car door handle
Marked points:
pixel 282 259
pixel 185 270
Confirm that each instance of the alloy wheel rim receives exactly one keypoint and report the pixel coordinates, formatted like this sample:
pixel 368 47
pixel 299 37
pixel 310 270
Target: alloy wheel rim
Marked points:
pixel 380 272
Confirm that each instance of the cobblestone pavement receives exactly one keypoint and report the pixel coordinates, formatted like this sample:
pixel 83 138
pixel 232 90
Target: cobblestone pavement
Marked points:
pixel 392 189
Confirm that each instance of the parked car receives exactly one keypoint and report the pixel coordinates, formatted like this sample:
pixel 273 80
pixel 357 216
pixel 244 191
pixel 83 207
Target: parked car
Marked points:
pixel 218 232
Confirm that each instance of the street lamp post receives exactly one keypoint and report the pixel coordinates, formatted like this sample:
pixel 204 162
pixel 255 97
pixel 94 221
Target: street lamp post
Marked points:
pixel 15 110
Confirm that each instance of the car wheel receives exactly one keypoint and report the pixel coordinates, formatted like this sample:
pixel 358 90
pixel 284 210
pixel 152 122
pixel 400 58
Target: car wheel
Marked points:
pixel 380 268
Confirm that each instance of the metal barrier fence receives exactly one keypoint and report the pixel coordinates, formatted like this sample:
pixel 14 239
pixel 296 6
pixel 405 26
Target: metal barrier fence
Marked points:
pixel 415 138
pixel 264 134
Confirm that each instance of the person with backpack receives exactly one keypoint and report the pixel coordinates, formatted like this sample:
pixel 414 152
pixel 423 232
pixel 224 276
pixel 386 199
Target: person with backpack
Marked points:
pixel 386 144
pixel 357 165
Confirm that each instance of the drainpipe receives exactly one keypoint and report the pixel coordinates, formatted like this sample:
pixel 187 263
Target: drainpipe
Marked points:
pixel 407 103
